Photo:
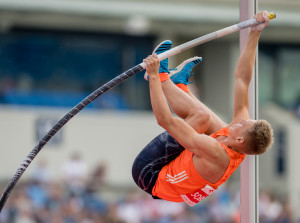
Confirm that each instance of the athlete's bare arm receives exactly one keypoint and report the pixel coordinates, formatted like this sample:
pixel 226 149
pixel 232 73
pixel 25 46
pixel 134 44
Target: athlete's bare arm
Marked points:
pixel 201 145
pixel 244 69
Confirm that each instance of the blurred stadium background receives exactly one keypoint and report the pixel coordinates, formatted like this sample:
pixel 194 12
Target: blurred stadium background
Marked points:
pixel 53 53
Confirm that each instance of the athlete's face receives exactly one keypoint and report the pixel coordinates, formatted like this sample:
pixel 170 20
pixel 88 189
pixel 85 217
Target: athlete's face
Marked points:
pixel 239 129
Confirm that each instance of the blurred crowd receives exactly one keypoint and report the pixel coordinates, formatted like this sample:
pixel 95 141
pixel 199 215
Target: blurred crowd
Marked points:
pixel 81 197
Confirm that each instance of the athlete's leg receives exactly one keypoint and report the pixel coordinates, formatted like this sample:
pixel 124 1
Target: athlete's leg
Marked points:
pixel 188 108
pixel 149 162
pixel 197 108
pixel 185 104
pixel 181 103
pixel 215 122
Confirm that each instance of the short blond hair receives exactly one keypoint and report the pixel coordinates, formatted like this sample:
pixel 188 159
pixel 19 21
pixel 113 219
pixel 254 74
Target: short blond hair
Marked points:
pixel 259 138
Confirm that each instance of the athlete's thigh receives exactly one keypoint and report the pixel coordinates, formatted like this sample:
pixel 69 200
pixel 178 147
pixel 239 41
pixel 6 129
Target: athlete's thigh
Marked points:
pixel 158 153
pixel 215 122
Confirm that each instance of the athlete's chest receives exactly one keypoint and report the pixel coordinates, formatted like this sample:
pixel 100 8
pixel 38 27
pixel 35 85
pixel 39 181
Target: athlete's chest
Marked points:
pixel 212 169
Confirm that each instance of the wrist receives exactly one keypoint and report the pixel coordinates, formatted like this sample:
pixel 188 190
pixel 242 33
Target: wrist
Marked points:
pixel 255 32
pixel 254 35
pixel 153 77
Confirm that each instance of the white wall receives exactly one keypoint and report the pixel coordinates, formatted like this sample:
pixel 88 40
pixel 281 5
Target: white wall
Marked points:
pixel 115 138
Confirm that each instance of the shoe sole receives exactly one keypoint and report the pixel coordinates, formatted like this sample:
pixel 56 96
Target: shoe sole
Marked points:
pixel 179 67
pixel 146 76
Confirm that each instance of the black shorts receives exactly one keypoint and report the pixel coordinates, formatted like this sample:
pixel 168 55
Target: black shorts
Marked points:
pixel 147 165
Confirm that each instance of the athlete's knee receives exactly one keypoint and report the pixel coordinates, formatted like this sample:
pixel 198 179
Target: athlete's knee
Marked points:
pixel 201 116
pixel 199 120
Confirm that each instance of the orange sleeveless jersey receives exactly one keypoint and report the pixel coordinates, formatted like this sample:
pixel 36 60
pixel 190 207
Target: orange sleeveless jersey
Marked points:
pixel 179 181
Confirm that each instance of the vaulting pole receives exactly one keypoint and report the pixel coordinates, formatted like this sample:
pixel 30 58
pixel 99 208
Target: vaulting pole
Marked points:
pixel 249 168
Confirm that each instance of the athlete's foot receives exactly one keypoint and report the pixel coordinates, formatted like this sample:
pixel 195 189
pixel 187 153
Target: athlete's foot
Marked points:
pixel 162 47
pixel 182 73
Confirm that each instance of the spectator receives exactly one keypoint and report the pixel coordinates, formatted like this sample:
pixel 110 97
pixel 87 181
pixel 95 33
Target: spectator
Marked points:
pixel 75 174
pixel 96 178
pixel 41 173
pixel 58 206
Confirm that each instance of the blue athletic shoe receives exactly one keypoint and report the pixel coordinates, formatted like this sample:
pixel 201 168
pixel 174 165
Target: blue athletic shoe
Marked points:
pixel 162 47
pixel 182 73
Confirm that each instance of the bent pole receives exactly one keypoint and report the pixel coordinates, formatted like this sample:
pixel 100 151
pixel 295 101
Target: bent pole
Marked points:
pixel 112 83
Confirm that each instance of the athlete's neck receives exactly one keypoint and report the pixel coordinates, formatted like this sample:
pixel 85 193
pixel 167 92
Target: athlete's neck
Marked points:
pixel 225 140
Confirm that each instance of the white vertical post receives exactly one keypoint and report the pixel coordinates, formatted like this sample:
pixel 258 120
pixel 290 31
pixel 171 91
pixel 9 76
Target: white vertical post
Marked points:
pixel 249 168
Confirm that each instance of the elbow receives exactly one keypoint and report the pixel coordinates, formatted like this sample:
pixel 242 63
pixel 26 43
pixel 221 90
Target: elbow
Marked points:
pixel 244 75
pixel 161 123
pixel 164 121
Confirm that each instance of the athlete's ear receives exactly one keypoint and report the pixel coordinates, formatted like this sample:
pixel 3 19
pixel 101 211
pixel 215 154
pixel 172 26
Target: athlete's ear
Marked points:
pixel 241 140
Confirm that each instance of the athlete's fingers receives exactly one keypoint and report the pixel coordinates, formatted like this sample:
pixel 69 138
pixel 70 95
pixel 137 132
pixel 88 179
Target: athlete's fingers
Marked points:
pixel 155 55
pixel 263 20
pixel 155 58
pixel 152 65
pixel 266 17
pixel 148 60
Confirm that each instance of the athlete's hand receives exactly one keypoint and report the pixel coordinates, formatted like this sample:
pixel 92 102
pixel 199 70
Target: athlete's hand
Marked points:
pixel 262 18
pixel 152 63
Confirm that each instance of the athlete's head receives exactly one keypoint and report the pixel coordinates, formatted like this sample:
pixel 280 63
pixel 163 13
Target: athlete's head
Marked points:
pixel 252 137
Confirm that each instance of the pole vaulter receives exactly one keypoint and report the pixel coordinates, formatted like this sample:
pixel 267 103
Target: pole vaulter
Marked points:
pixel 112 83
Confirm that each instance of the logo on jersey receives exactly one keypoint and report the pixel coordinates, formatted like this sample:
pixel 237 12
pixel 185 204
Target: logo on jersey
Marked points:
pixel 176 178
pixel 194 198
